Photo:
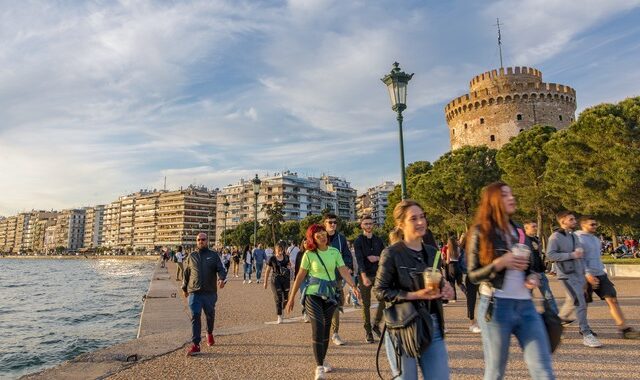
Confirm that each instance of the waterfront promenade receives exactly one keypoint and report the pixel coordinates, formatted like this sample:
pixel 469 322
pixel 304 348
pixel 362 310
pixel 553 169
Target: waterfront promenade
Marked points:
pixel 248 348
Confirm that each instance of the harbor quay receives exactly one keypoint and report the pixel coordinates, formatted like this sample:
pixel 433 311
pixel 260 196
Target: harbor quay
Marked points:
pixel 250 345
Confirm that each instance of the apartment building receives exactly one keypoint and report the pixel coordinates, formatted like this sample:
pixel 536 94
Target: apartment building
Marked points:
pixel 10 234
pixel 3 233
pixel 38 224
pixel 182 214
pixel 374 202
pixel 300 197
pixel 145 221
pixel 111 224
pixel 69 229
pixel 93 226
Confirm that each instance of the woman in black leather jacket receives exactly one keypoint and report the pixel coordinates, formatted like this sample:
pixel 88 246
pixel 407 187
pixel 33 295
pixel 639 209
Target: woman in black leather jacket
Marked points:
pixel 505 280
pixel 399 279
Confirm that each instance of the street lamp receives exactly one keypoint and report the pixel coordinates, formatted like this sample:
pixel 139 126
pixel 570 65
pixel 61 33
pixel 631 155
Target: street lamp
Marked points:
pixel 396 82
pixel 225 208
pixel 256 190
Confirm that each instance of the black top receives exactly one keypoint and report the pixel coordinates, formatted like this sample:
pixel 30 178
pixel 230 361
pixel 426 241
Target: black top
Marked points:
pixel 279 267
pixel 367 247
pixel 202 270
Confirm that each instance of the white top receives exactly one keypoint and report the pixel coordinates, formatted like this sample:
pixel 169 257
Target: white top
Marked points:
pixel 513 286
pixel 249 258
pixel 180 256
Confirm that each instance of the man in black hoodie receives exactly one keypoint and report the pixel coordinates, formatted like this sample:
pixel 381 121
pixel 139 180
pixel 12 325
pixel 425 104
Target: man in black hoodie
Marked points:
pixel 368 248
pixel 339 242
pixel 202 270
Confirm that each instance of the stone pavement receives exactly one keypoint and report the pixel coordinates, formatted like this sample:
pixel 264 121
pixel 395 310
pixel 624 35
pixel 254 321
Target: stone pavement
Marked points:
pixel 248 346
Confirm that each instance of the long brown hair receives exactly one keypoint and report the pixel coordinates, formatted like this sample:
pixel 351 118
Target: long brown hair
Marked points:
pixel 490 215
pixel 399 213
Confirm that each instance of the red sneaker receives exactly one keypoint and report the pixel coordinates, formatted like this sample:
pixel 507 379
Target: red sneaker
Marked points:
pixel 194 349
pixel 210 340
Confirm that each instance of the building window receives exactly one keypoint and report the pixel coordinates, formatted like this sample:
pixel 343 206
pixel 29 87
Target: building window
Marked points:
pixel 453 131
pixel 560 117
pixel 482 120
pixel 465 125
pixel 519 116
pixel 493 137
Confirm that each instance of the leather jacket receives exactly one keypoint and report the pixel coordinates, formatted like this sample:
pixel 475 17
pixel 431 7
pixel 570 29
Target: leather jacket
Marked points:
pixel 201 271
pixel 487 274
pixel 400 272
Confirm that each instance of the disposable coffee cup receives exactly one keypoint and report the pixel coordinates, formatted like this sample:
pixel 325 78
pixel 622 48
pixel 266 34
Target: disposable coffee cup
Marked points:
pixel 432 280
pixel 521 250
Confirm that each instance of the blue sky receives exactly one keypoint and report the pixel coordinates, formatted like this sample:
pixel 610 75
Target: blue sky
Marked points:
pixel 102 98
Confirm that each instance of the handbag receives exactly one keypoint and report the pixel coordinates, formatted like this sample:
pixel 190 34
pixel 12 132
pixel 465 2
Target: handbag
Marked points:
pixel 553 325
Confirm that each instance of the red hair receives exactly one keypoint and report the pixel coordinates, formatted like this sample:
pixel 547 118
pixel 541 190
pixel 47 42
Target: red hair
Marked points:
pixel 311 241
pixel 490 215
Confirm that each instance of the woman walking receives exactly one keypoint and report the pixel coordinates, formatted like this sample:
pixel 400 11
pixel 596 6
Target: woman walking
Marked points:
pixel 235 258
pixel 247 259
pixel 498 261
pixel 280 266
pixel 400 280
pixel 320 262
pixel 226 259
pixel 455 274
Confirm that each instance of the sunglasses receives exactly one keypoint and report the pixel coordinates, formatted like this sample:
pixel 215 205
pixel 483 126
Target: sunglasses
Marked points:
pixel 331 222
pixel 201 239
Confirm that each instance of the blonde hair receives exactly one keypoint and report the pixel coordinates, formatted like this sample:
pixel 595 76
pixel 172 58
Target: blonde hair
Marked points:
pixel 399 213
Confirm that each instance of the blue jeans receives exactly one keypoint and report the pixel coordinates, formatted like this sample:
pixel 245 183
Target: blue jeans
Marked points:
pixel 259 270
pixel 545 290
pixel 247 271
pixel 520 318
pixel 197 302
pixel 434 362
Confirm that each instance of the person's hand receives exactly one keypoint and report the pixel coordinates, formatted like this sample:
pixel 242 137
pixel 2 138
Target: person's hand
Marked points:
pixel 447 291
pixel 532 281
pixel 593 280
pixel 289 307
pixel 185 293
pixel 220 284
pixel 355 291
pixel 511 261
pixel 578 253
pixel 425 294
pixel 366 282
pixel 373 259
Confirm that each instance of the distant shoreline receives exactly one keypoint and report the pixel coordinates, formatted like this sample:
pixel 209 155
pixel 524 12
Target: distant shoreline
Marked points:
pixel 80 257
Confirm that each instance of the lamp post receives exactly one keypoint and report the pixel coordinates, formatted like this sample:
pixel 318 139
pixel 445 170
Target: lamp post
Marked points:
pixel 396 82
pixel 256 190
pixel 225 208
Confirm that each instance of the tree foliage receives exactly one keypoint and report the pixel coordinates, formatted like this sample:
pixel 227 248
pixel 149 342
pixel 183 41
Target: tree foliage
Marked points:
pixel 275 217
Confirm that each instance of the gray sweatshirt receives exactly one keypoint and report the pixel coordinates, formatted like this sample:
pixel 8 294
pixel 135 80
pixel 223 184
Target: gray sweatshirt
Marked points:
pixel 592 261
pixel 560 248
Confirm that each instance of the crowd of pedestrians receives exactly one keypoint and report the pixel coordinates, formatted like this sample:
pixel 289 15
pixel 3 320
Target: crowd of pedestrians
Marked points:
pixel 497 265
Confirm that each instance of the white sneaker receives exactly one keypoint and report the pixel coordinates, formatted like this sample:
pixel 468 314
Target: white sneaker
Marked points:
pixel 591 341
pixel 337 341
pixel 474 328
pixel 305 318
pixel 244 281
pixel 327 367
pixel 250 281
pixel 280 320
pixel 320 373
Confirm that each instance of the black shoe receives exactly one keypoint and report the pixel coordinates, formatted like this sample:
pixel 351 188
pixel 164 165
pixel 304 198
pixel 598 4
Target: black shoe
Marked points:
pixel 630 333
pixel 368 338
pixel 567 321
pixel 376 330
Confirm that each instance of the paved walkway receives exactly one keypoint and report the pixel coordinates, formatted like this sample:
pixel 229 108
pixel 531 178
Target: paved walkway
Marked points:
pixel 253 349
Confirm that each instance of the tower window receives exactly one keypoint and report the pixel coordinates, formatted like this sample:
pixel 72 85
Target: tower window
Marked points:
pixel 560 117
pixel 453 131
pixel 465 125
pixel 519 116
pixel 521 129
pixel 493 137
pixel 482 120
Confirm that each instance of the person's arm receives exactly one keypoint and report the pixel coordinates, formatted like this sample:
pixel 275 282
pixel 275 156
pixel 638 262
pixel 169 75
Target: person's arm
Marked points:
pixel 185 276
pixel 553 250
pixel 346 253
pixel 302 273
pixel 357 247
pixel 385 279
pixel 266 274
pixel 477 272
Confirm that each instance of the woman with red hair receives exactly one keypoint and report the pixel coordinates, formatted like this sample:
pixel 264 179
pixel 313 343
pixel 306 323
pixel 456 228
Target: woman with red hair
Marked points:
pixel 319 265
pixel 499 260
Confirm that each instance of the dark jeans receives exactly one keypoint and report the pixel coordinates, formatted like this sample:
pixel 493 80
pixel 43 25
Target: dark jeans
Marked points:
pixel 320 313
pixel 335 322
pixel 455 277
pixel 259 270
pixel 472 295
pixel 280 287
pixel 197 302
pixel 365 293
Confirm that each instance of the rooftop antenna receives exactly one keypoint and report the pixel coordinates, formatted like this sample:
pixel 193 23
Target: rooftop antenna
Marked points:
pixel 165 183
pixel 499 40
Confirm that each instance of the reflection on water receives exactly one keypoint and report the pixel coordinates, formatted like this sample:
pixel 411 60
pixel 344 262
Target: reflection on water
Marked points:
pixel 53 310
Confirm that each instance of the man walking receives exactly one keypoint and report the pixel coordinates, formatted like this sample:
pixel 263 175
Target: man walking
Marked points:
pixel 339 242
pixel 368 248
pixel 260 256
pixel 293 252
pixel 202 270
pixel 597 279
pixel 531 229
pixel 179 263
pixel 565 249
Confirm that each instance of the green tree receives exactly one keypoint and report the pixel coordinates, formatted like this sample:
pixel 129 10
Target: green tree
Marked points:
pixel 241 234
pixel 594 165
pixel 523 162
pixel 416 168
pixel 275 216
pixel 450 192
pixel 291 231
pixel 307 221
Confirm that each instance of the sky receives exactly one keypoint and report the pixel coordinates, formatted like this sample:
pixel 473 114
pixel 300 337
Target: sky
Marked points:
pixel 102 98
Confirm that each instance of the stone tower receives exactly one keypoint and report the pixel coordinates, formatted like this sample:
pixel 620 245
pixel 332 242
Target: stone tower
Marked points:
pixel 502 103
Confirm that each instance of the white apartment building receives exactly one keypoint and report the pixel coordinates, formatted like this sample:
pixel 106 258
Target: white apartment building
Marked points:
pixel 93 226
pixel 374 202
pixel 69 229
